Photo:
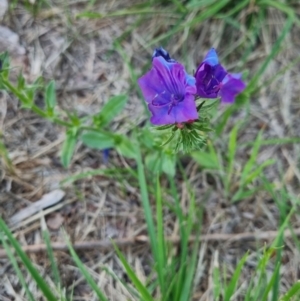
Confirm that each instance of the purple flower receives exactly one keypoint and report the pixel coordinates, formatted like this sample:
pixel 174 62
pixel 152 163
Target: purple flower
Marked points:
pixel 169 91
pixel 212 80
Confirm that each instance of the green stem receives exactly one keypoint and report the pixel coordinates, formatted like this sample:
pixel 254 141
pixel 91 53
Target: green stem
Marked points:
pixel 23 98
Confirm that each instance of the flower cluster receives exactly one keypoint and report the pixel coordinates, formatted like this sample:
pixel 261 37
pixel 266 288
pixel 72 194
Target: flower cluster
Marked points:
pixel 171 93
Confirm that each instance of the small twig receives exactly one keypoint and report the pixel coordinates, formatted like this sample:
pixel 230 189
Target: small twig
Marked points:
pixel 122 242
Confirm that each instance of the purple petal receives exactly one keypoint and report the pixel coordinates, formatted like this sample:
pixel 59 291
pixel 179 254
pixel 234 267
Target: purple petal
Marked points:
pixel 220 73
pixel 161 115
pixel 185 110
pixel 151 86
pixel 172 75
pixel 232 86
pixel 206 81
pixel 211 57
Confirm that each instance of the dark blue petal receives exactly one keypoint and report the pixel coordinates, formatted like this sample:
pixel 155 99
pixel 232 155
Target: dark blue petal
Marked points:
pixel 163 53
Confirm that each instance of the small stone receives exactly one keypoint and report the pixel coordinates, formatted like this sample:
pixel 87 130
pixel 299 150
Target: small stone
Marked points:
pixel 9 41
pixel 54 222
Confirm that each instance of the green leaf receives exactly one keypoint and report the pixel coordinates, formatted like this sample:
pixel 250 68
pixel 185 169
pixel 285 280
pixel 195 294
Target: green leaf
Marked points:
pixel 153 162
pixel 21 82
pixel 50 97
pixel 206 160
pixel 68 148
pixel 126 148
pixel 97 140
pixel 168 164
pixel 111 109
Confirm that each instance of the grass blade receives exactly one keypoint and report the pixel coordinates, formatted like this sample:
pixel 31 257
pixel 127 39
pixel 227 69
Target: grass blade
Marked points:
pixel 146 204
pixel 231 154
pixel 286 29
pixel 161 260
pixel 50 253
pixel 254 152
pixel 295 289
pixel 131 274
pixel 44 287
pixel 234 280
pixel 85 273
pixel 16 267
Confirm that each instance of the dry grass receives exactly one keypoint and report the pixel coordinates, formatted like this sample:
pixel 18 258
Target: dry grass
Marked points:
pixel 81 56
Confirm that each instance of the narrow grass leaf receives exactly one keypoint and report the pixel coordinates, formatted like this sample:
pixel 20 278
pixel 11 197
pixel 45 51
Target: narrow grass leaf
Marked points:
pixel 44 287
pixel 183 240
pixel 271 285
pixel 161 260
pixel 294 290
pixel 236 8
pixel 275 141
pixel 242 194
pixel 253 156
pixel 14 263
pixel 146 203
pixel 109 172
pixel 187 288
pixel 131 274
pixel 84 272
pixel 50 253
pixel 186 292
pixel 276 48
pixel 254 174
pixel 232 144
pixel 211 10
pixel 216 283
pixel 224 118
pixel 230 289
